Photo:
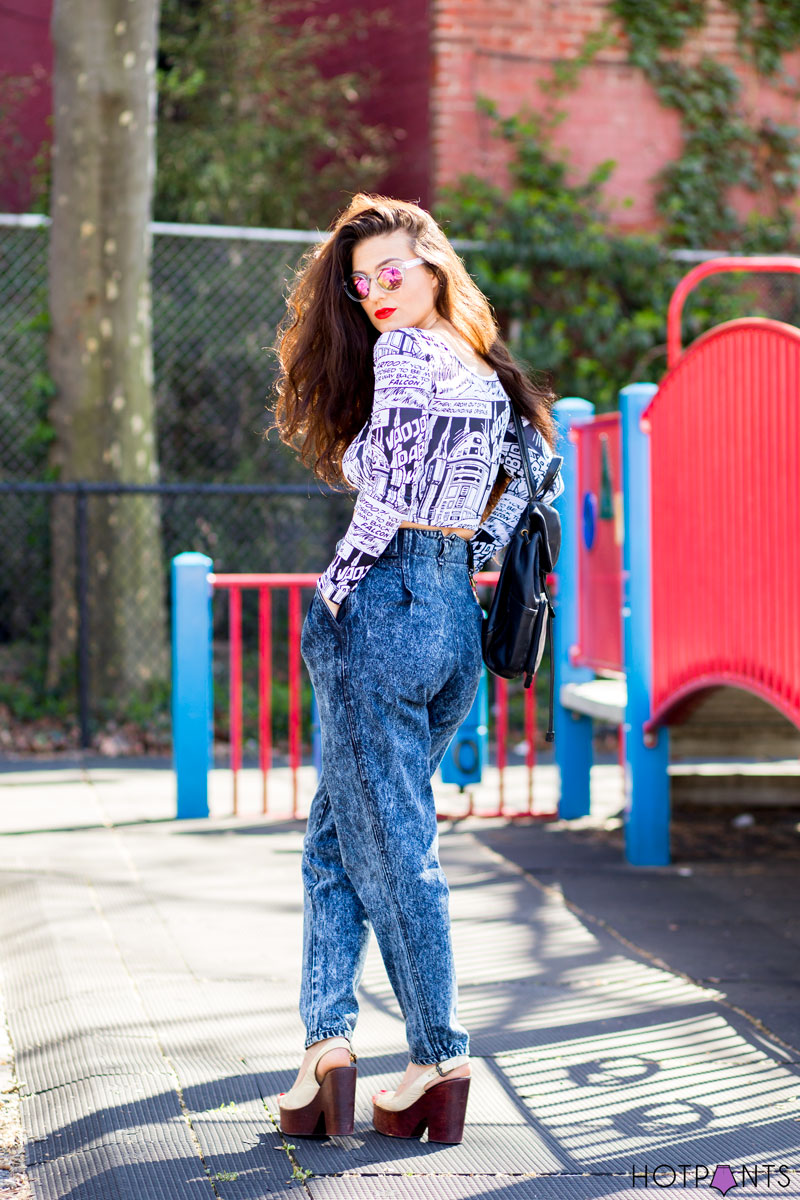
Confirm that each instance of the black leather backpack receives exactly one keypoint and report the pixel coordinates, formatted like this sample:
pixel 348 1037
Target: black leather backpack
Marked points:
pixel 520 616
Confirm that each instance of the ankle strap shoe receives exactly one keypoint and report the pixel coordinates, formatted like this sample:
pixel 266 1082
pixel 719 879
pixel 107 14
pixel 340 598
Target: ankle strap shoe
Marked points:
pixel 326 1109
pixel 394 1102
pixel 441 1109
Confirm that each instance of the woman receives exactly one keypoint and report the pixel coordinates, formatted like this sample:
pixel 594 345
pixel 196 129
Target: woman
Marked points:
pixel 393 376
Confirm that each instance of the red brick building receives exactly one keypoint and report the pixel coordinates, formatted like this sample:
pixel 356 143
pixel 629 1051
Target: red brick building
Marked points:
pixel 443 53
pixel 26 61
pixel 505 48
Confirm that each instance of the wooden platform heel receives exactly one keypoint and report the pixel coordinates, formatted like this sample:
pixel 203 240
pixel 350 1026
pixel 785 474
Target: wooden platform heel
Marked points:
pixel 441 1109
pixel 321 1109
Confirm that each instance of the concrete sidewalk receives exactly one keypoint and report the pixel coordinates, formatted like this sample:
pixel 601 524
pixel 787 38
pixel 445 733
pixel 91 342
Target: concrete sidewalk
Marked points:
pixel 151 972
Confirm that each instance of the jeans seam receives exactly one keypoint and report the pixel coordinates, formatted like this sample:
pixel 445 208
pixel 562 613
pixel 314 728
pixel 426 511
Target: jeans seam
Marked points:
pixel 313 980
pixel 313 965
pixel 386 874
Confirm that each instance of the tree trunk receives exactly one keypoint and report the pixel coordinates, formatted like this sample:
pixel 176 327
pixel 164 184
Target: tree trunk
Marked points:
pixel 104 104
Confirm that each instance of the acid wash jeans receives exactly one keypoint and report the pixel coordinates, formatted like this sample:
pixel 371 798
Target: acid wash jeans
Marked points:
pixel 395 673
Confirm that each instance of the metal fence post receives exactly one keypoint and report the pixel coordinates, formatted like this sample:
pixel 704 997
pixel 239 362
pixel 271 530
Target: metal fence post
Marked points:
pixel 82 591
pixel 573 744
pixel 192 687
pixel 646 774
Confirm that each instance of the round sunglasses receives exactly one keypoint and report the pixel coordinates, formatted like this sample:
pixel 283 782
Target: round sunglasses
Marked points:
pixel 389 278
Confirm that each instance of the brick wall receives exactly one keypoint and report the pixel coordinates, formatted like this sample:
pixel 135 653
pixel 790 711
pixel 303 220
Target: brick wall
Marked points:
pixel 505 49
pixel 443 53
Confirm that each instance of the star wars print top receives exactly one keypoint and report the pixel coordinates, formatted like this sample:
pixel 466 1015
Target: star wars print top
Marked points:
pixel 430 453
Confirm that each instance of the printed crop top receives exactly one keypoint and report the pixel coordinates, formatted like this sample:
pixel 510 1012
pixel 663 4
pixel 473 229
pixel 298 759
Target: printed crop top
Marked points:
pixel 430 453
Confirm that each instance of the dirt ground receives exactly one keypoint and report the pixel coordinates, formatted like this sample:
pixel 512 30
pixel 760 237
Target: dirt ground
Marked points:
pixel 733 833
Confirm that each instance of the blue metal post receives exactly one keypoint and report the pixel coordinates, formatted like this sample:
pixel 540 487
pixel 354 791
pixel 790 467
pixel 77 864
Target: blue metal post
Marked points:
pixel 646 774
pixel 192 694
pixel 573 744
pixel 465 756
pixel 316 735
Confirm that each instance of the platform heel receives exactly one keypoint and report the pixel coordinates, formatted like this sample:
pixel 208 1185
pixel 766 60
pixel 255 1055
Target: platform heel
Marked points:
pixel 441 1109
pixel 326 1109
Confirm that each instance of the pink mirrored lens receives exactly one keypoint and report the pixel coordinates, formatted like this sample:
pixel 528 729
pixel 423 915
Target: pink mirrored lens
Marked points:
pixel 360 285
pixel 390 278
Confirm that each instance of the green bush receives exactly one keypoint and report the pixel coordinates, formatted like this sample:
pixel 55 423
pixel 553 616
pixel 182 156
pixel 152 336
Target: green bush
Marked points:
pixel 572 294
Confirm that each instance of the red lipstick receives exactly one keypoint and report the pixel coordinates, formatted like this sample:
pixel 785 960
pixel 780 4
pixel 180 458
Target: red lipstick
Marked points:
pixel 384 312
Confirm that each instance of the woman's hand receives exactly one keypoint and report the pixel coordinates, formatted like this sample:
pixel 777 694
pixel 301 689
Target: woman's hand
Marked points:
pixel 333 607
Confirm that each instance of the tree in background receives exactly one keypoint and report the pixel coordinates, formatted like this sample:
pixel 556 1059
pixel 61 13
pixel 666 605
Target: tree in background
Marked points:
pixel 104 103
pixel 252 131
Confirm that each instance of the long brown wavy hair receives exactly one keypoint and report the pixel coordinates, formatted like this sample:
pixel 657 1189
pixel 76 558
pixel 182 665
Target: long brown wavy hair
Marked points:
pixel 324 343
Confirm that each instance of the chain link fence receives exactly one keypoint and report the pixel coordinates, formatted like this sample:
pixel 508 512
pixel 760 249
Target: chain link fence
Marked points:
pixel 218 296
pixel 241 527
pixel 24 382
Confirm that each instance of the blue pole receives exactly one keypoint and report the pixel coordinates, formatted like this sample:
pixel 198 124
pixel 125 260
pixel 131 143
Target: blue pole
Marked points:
pixel 464 758
pixel 573 744
pixel 192 694
pixel 316 735
pixel 646 774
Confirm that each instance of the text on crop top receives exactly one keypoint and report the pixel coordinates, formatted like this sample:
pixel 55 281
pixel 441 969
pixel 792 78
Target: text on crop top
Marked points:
pixel 430 452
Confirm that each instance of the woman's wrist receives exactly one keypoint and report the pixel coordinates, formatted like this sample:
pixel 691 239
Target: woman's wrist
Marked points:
pixel 331 605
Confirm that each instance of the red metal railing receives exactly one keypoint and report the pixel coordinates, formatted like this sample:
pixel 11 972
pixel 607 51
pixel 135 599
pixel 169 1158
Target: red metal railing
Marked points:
pixel 716 266
pixel 266 584
pixel 599 495
pixel 725 516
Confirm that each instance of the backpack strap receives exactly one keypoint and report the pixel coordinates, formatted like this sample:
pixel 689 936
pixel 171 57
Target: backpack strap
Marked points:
pixel 553 467
pixel 523 453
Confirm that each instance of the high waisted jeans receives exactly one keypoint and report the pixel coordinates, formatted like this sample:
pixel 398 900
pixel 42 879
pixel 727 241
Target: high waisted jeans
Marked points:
pixel 395 673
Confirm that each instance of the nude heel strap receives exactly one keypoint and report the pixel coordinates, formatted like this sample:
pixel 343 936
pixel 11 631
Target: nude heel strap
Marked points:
pixel 394 1102
pixel 337 1043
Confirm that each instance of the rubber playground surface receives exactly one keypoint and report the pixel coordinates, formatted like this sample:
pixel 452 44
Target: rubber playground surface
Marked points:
pixel 623 1020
